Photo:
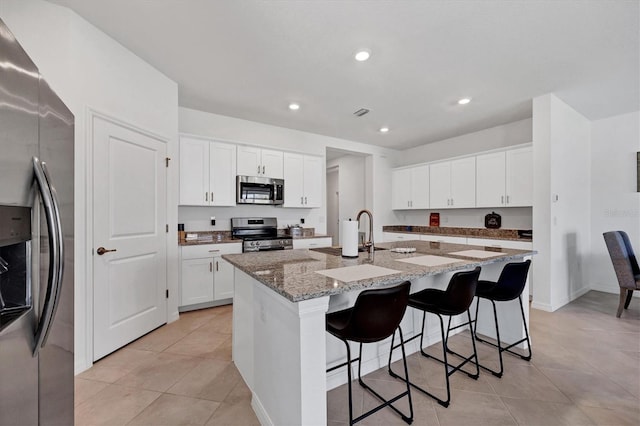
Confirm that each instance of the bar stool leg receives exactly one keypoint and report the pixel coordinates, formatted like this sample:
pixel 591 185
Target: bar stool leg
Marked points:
pixel 473 343
pixel 498 343
pixel 351 422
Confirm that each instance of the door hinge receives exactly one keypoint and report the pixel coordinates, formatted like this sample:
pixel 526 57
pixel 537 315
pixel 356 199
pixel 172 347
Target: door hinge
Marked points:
pixel 167 293
pixel 166 161
pixel 167 227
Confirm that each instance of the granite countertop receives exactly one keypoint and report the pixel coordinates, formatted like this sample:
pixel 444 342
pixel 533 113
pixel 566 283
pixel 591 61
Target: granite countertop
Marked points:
pixel 291 273
pixel 494 234
pixel 224 237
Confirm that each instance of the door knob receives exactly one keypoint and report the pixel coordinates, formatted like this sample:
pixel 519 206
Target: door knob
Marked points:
pixel 102 250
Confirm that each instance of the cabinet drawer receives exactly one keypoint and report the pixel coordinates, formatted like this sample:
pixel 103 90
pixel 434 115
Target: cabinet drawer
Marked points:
pixel 510 244
pixel 311 242
pixel 444 239
pixel 210 250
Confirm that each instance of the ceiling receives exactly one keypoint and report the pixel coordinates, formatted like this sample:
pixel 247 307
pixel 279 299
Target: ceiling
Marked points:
pixel 249 59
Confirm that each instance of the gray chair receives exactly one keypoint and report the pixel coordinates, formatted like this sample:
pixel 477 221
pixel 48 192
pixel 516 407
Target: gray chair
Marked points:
pixel 625 265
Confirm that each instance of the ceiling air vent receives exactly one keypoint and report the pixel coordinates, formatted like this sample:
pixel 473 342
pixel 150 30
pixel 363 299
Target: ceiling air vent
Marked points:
pixel 361 112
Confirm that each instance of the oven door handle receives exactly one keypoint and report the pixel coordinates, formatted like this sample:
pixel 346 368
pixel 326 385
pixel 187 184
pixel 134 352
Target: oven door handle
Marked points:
pixel 56 253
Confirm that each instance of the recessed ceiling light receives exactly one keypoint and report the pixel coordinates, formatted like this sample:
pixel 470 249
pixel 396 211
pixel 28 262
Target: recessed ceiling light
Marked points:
pixel 384 129
pixel 294 106
pixel 362 55
pixel 464 101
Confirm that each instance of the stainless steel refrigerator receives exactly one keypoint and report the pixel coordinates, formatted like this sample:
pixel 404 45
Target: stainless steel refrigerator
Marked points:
pixel 36 245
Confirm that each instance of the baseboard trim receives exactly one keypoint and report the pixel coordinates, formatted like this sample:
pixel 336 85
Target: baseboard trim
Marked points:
pixel 261 413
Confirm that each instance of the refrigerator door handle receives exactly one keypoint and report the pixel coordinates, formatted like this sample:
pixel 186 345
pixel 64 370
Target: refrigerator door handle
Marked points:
pixel 56 259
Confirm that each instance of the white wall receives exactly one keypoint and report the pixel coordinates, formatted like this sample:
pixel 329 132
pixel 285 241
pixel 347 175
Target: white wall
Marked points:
pixel 91 71
pixel 236 130
pixel 510 134
pixel 615 202
pixel 562 202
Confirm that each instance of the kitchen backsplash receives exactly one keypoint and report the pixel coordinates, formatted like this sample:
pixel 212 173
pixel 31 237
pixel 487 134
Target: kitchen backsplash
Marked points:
pixel 198 218
pixel 512 217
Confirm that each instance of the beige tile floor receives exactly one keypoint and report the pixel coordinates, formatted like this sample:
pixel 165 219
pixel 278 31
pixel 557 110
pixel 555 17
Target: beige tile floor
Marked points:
pixel 585 370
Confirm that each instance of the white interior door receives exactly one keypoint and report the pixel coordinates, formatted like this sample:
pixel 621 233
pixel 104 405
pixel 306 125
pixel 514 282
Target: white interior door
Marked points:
pixel 129 217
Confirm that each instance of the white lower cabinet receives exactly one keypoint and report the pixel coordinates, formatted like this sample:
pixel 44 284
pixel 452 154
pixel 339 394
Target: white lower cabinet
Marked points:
pixel 443 239
pixel 206 278
pixel 508 244
pixel 396 236
pixel 299 243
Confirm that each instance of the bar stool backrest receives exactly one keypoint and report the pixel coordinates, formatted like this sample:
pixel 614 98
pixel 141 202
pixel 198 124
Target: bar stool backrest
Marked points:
pixel 512 280
pixel 378 312
pixel 461 291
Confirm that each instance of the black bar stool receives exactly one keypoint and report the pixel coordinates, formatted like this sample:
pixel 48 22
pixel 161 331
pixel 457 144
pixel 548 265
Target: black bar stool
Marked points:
pixel 509 286
pixel 455 300
pixel 375 316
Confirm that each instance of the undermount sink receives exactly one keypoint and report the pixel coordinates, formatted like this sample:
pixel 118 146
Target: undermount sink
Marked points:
pixel 337 251
pixel 362 249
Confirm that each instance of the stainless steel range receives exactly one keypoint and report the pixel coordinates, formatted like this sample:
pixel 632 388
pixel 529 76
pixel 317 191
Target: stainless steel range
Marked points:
pixel 259 234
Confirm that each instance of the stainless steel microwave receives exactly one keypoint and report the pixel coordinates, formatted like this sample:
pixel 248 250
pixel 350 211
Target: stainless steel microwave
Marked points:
pixel 259 190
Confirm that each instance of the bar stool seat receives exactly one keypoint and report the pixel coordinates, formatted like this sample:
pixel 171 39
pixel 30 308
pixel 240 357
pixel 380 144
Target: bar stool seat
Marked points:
pixel 375 316
pixel 455 300
pixel 509 286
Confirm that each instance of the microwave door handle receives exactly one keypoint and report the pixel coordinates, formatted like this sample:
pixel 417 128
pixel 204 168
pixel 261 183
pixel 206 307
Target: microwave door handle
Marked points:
pixel 55 272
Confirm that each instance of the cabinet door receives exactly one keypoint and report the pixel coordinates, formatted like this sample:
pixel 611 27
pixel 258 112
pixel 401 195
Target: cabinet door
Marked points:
pixel 312 170
pixel 223 279
pixel 272 164
pixel 420 187
pixel 222 183
pixel 293 180
pixel 519 182
pixel 249 161
pixel 463 183
pixel 490 179
pixel 194 172
pixel 197 281
pixel 440 185
pixel 401 189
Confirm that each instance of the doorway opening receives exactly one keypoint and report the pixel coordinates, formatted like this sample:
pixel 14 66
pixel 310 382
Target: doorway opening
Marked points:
pixel 346 188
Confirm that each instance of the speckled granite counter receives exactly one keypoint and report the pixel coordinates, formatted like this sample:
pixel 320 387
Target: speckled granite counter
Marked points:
pixel 494 234
pixel 292 273
pixel 224 237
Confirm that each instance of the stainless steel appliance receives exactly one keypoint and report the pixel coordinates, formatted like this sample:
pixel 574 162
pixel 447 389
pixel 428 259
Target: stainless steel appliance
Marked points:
pixel 36 245
pixel 259 190
pixel 259 234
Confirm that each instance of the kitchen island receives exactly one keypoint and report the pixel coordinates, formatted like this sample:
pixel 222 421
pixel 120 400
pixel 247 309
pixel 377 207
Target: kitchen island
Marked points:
pixel 281 298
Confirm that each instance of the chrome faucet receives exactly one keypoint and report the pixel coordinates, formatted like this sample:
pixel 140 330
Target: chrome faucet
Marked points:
pixel 368 246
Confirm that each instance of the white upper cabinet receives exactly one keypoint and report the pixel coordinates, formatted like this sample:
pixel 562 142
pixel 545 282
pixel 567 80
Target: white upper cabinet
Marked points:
pixel 194 172
pixel 505 179
pixel 490 179
pixel 254 161
pixel 207 173
pixel 410 188
pixel 222 174
pixel 519 179
pixel 452 184
pixel 302 180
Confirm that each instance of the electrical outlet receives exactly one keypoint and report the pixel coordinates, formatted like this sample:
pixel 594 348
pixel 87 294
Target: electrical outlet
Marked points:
pixel 213 221
pixel 302 220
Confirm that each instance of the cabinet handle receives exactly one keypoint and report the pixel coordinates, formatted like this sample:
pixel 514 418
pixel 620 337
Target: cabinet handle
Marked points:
pixel 502 199
pixel 210 266
pixel 258 169
pixel 217 266
pixel 301 200
pixel 507 199
pixel 452 201
pixel 263 170
pixel 206 196
pixel 212 197
pixel 408 204
pixel 214 251
pixel 305 200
